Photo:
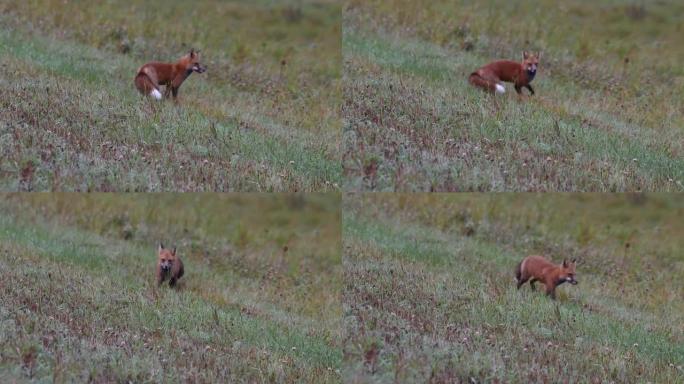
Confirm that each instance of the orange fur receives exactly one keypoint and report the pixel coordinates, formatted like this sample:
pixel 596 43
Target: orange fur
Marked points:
pixel 168 266
pixel 520 74
pixel 537 268
pixel 153 75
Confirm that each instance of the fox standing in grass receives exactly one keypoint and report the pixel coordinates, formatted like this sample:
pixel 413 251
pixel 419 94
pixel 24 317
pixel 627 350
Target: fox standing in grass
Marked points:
pixel 169 266
pixel 153 75
pixel 491 76
pixel 551 275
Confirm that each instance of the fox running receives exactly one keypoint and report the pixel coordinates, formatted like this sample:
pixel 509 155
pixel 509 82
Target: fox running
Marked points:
pixel 492 76
pixel 537 268
pixel 169 266
pixel 153 75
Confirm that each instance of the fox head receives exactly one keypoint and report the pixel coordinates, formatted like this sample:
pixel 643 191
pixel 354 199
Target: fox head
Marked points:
pixel 191 62
pixel 166 257
pixel 530 63
pixel 567 272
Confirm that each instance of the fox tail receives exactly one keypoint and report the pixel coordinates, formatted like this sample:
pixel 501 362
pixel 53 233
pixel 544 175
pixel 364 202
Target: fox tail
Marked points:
pixel 489 85
pixel 146 86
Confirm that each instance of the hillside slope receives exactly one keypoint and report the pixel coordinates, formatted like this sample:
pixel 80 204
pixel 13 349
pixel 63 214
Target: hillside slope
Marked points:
pixel 430 294
pixel 79 302
pixel 607 114
pixel 262 118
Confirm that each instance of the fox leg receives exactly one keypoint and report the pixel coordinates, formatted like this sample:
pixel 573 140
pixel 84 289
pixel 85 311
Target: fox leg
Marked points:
pixel 520 276
pixel 530 88
pixel 532 282
pixel 172 282
pixel 551 292
pixel 176 83
pixel 161 277
pixel 521 282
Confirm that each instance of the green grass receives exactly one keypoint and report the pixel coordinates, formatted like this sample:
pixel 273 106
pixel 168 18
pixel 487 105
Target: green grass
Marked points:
pixel 597 122
pixel 79 301
pixel 430 294
pixel 263 118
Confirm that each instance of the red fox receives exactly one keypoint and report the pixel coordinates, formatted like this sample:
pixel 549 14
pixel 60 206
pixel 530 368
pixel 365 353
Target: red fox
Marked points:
pixel 152 75
pixel 491 76
pixel 168 266
pixel 551 275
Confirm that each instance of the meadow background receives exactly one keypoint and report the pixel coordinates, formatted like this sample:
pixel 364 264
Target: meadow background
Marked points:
pixel 264 117
pixel 607 115
pixel 79 302
pixel 430 293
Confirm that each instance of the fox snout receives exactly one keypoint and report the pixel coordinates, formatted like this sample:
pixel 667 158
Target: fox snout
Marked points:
pixel 199 68
pixel 165 266
pixel 571 280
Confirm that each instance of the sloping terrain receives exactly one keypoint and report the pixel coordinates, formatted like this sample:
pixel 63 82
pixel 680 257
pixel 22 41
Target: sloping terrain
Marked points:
pixel 264 117
pixel 259 301
pixel 430 294
pixel 607 114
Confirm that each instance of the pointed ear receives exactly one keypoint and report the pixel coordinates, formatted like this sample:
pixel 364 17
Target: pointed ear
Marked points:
pixel 161 247
pixel 192 53
pixel 539 55
pixel 525 55
pixel 174 251
pixel 574 261
pixel 565 263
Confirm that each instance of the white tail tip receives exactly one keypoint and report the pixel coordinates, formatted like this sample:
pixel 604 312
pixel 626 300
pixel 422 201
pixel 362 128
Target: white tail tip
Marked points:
pixel 499 88
pixel 156 94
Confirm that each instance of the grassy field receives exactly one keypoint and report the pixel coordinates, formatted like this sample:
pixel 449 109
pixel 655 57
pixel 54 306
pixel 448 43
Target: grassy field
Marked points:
pixel 430 291
pixel 607 114
pixel 78 300
pixel 264 117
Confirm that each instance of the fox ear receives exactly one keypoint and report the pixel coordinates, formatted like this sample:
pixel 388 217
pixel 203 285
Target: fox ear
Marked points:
pixel 525 55
pixel 565 263
pixel 539 55
pixel 174 251
pixel 574 261
pixel 192 52
pixel 161 247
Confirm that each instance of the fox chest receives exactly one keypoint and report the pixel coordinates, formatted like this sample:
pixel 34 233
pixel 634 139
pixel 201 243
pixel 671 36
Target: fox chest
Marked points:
pixel 522 78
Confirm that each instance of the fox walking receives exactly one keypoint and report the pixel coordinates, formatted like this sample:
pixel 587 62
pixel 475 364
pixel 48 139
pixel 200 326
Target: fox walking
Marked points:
pixel 169 266
pixel 551 275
